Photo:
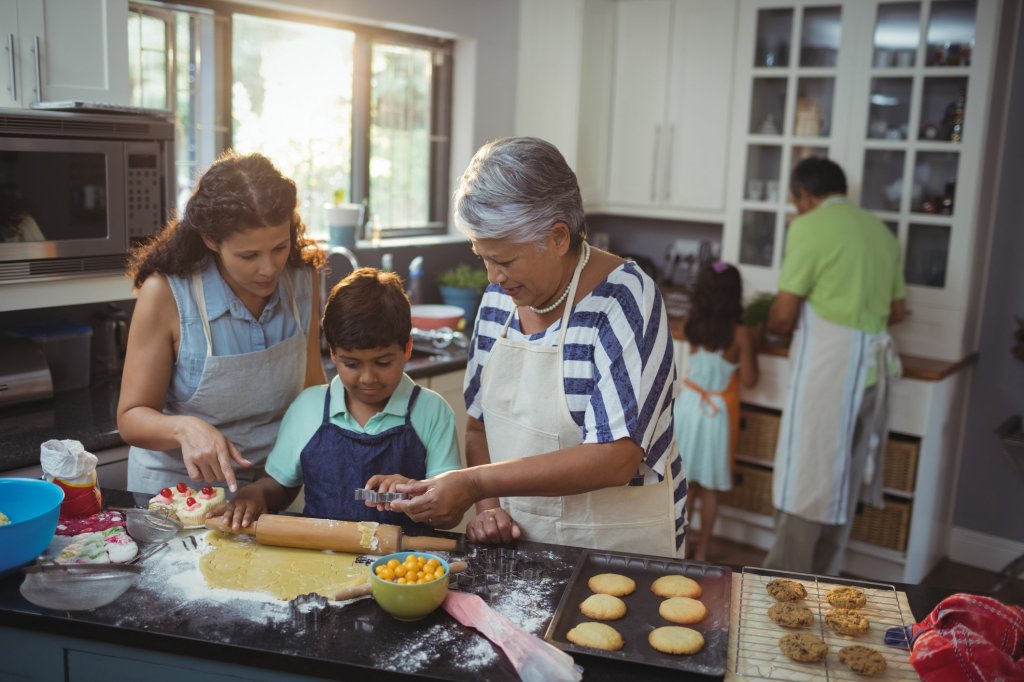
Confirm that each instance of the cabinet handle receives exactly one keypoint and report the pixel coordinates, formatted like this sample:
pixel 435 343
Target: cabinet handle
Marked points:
pixel 14 70
pixel 39 69
pixel 667 189
pixel 654 164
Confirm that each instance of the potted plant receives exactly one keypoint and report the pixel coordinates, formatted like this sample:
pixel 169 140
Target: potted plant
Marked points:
pixel 463 286
pixel 755 316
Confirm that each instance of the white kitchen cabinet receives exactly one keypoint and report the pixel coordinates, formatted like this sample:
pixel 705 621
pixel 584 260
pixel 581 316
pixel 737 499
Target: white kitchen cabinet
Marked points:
pixel 875 86
pixel 565 56
pixel 64 50
pixel 671 107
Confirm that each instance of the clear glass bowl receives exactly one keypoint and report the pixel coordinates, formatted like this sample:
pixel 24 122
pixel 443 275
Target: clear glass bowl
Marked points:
pixel 78 587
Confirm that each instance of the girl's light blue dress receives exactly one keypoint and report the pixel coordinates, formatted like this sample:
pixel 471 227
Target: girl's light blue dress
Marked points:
pixel 702 433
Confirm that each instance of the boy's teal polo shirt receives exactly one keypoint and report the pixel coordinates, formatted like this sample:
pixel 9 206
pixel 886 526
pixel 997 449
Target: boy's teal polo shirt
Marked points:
pixel 432 420
pixel 846 263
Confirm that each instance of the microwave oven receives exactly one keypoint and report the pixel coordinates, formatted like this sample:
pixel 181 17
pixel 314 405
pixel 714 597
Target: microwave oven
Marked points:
pixel 78 190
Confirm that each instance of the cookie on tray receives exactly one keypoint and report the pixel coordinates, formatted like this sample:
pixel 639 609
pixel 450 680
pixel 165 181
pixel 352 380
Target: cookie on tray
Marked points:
pixel 682 610
pixel 596 636
pixel 804 647
pixel 676 586
pixel 847 622
pixel 612 583
pixel 603 607
pixel 783 589
pixel 846 598
pixel 790 615
pixel 674 639
pixel 862 660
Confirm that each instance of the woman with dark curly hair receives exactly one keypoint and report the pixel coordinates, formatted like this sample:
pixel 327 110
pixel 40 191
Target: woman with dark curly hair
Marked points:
pixel 224 334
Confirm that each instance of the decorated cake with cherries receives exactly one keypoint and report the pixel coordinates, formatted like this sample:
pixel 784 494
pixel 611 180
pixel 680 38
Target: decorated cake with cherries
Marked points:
pixel 189 506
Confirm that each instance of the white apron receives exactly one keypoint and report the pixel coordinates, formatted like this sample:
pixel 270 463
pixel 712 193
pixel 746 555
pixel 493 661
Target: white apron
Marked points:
pixel 526 413
pixel 831 368
pixel 244 396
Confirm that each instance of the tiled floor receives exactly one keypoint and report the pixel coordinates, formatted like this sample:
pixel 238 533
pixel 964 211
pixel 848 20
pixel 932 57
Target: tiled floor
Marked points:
pixel 948 574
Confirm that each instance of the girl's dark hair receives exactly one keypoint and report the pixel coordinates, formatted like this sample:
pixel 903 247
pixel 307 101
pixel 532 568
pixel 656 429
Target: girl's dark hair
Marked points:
pixel 716 307
pixel 236 193
pixel 368 309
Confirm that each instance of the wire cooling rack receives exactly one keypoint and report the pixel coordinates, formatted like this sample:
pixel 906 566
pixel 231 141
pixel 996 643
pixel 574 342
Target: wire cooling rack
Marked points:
pixel 758 656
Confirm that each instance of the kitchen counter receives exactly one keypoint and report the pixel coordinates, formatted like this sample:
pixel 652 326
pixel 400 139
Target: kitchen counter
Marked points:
pixel 157 631
pixel 89 414
pixel 924 369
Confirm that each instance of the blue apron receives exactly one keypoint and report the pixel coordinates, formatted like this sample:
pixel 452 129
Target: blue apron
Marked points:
pixel 336 461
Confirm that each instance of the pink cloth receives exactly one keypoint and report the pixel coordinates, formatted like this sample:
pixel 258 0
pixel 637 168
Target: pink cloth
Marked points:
pixel 969 638
pixel 534 659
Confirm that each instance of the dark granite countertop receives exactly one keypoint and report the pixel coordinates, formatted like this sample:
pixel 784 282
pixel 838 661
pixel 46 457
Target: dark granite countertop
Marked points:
pixel 85 414
pixel 171 611
pixel 89 414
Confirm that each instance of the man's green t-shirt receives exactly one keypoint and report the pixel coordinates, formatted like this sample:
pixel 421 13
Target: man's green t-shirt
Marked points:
pixel 846 263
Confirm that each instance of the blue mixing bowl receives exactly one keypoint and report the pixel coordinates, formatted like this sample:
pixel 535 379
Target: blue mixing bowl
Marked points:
pixel 32 507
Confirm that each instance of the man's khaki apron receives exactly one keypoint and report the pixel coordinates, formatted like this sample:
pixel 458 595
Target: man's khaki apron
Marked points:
pixel 525 414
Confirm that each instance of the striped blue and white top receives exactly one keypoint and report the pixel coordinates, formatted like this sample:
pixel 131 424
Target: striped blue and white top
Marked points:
pixel 619 370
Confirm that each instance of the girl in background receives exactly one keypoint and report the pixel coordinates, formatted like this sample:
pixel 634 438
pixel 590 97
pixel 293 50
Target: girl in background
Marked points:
pixel 719 345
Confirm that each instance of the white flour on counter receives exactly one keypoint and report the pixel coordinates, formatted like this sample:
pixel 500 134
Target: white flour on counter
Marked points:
pixel 523 601
pixel 174 574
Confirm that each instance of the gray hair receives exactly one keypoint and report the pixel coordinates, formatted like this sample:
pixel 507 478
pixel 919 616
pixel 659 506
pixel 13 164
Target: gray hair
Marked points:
pixel 517 188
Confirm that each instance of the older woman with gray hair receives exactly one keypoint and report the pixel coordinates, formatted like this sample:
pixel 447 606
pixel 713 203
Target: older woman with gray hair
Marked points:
pixel 570 377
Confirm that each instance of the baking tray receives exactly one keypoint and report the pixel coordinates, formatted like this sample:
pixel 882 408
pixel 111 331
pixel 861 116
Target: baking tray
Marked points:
pixel 642 614
pixel 757 637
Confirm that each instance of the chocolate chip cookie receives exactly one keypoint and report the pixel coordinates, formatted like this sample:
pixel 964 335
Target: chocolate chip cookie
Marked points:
pixel 846 598
pixel 847 622
pixel 783 589
pixel 862 660
pixel 790 615
pixel 804 647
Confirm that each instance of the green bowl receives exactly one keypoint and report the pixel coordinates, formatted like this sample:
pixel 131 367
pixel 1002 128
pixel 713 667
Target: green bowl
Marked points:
pixel 408 602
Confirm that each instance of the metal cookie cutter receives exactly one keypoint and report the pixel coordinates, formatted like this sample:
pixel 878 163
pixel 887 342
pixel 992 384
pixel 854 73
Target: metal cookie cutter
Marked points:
pixel 308 610
pixel 378 498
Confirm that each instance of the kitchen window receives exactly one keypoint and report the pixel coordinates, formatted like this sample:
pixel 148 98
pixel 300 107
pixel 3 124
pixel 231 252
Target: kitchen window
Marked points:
pixel 352 113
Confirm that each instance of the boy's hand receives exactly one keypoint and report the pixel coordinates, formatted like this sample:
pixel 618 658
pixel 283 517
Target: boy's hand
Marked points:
pixel 245 507
pixel 384 483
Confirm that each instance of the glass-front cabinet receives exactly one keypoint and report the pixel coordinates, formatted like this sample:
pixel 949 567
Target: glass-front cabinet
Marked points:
pixel 901 95
pixel 792 105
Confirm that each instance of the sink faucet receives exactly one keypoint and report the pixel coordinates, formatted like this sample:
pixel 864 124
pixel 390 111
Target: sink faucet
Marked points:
pixel 333 250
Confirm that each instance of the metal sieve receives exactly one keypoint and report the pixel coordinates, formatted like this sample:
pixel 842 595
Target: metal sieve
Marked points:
pixel 149 526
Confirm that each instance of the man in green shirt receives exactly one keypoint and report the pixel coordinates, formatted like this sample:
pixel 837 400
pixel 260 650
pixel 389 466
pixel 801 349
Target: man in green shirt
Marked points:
pixel 842 281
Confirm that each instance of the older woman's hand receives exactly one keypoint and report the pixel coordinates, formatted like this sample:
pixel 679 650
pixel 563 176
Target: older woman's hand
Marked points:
pixel 493 526
pixel 440 501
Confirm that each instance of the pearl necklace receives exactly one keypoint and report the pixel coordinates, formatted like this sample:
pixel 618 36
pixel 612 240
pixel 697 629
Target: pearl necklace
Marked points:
pixel 565 294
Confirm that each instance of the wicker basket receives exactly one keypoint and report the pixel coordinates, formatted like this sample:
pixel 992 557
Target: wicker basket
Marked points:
pixel 886 527
pixel 751 490
pixel 759 434
pixel 901 464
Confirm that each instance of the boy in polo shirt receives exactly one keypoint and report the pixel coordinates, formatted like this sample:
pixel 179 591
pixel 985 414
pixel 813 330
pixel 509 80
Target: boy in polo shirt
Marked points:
pixel 370 427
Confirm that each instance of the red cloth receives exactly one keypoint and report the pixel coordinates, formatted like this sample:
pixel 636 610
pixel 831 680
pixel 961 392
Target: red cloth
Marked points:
pixel 89 524
pixel 970 638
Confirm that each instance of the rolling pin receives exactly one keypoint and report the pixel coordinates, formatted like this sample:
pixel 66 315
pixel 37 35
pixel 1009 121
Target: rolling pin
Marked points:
pixel 357 537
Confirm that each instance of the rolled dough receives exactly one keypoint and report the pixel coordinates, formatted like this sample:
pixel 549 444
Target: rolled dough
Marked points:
pixel 240 563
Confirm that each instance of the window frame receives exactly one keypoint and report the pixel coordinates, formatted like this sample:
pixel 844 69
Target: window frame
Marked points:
pixel 442 83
